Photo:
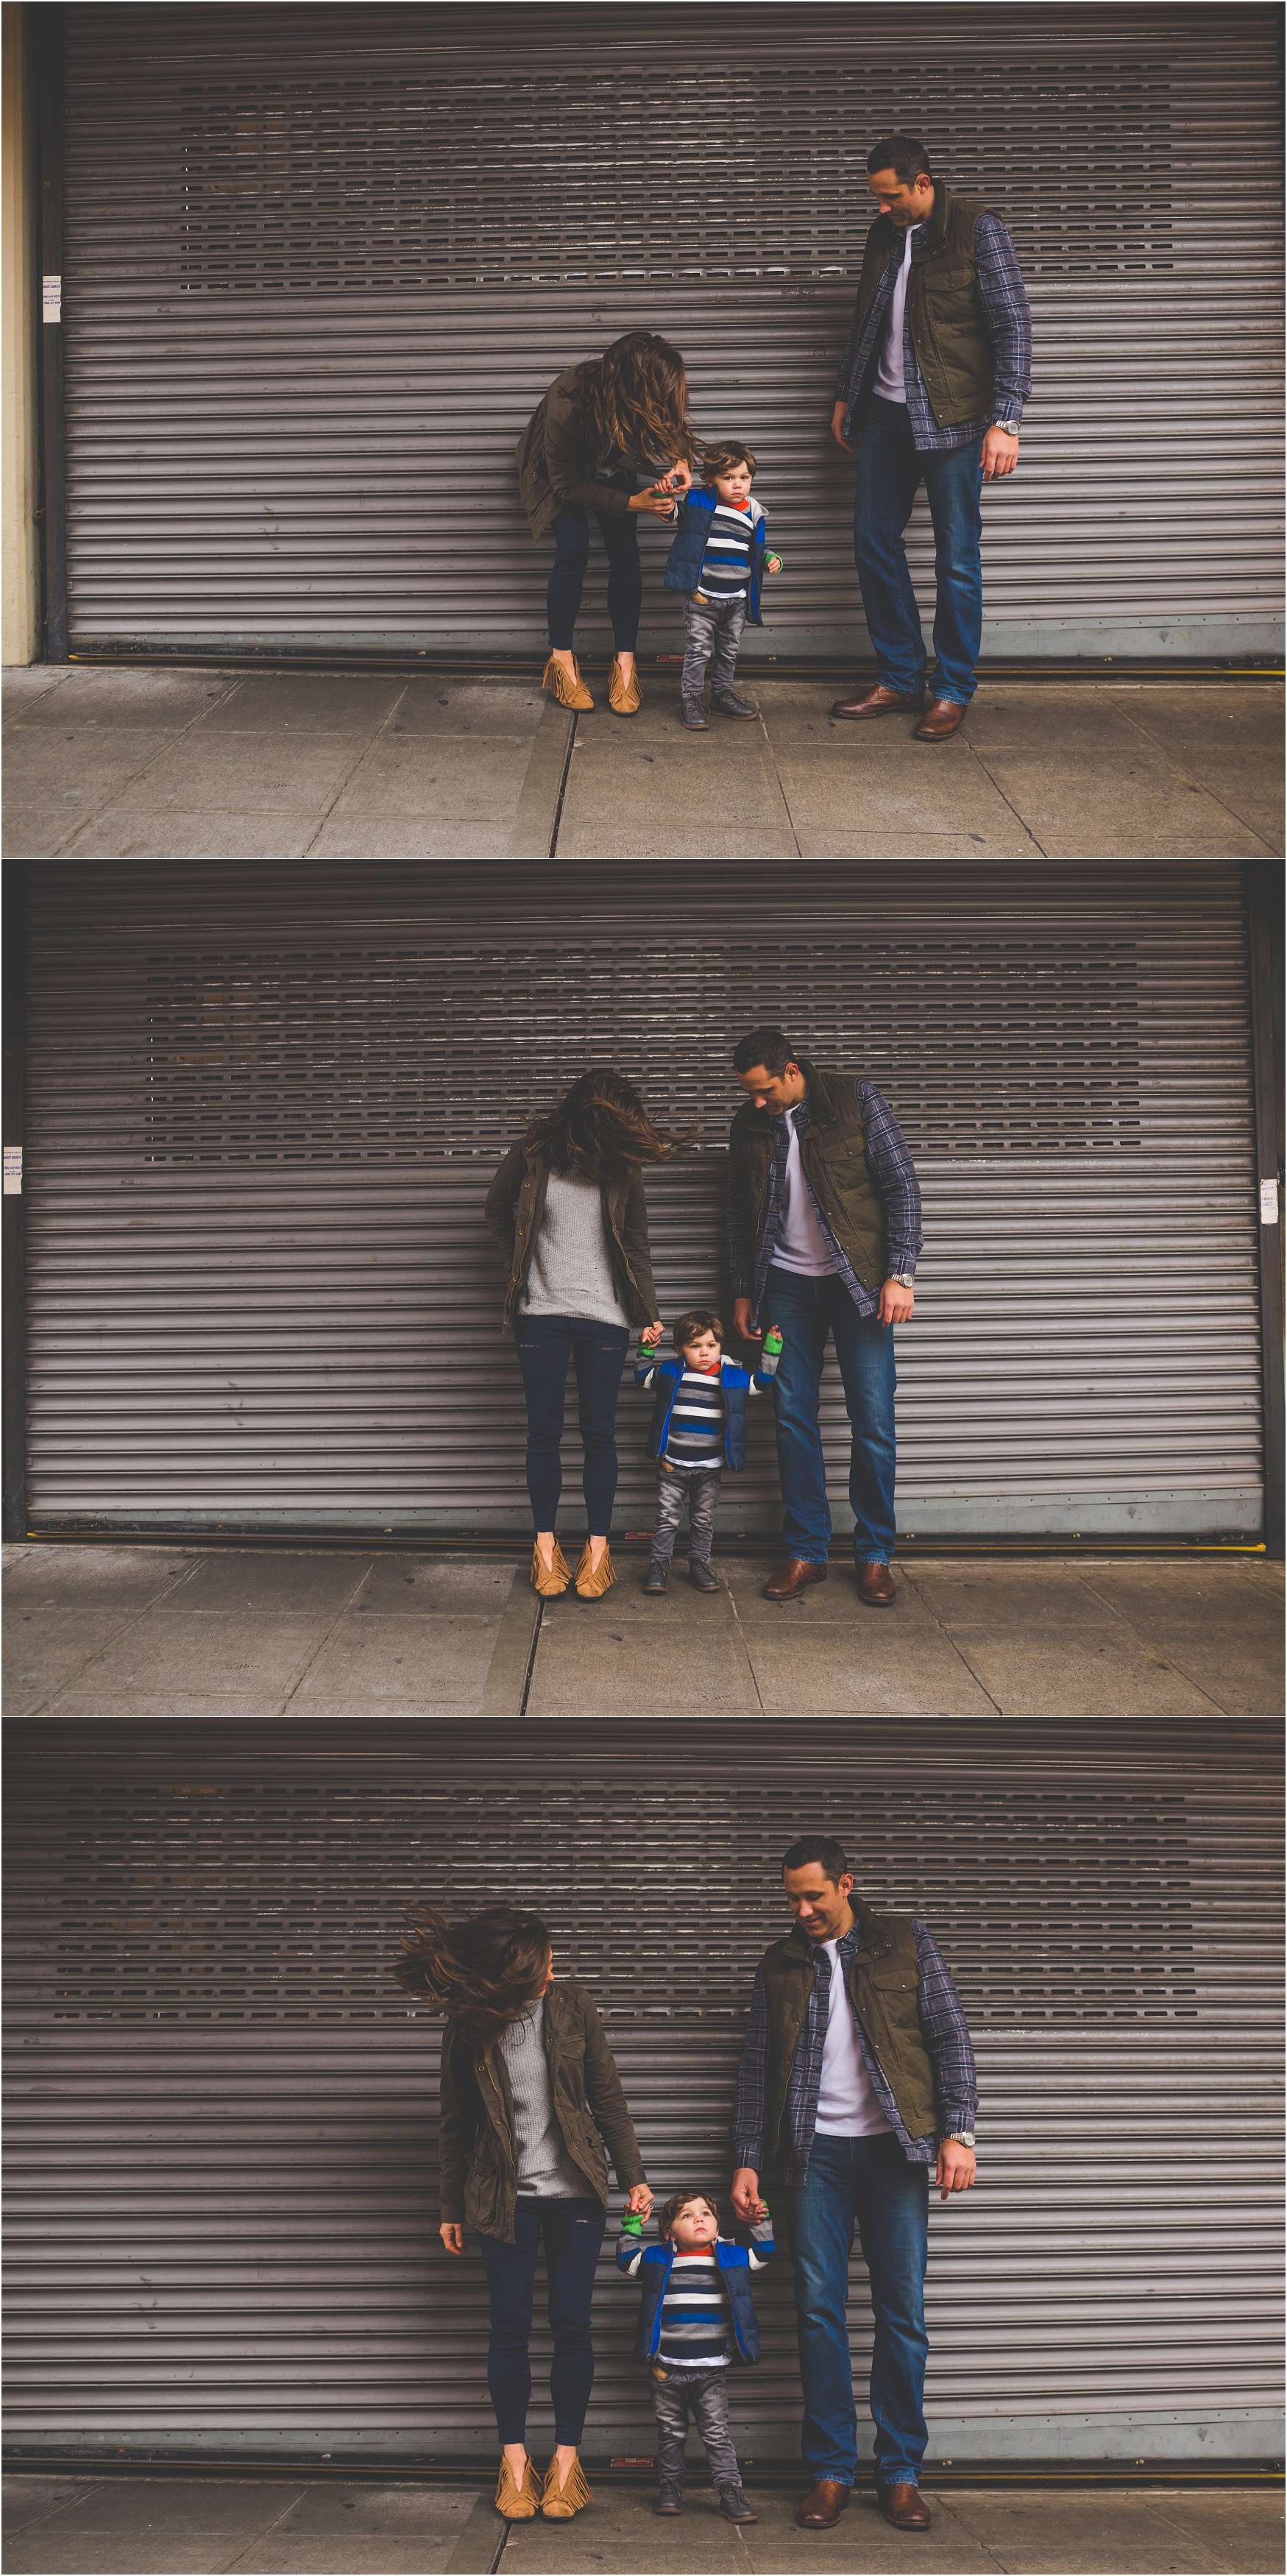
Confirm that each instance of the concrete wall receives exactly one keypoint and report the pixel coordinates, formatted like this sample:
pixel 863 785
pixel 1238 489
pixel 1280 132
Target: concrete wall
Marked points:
pixel 19 320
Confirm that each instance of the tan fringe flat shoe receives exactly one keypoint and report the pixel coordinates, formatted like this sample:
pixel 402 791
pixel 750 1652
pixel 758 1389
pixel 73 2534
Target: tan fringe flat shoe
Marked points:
pixel 518 2504
pixel 552 1580
pixel 558 2504
pixel 623 695
pixel 591 1585
pixel 570 693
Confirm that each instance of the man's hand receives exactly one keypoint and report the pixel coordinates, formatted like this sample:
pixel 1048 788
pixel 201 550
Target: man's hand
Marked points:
pixel 1000 455
pixel 746 2194
pixel 640 2200
pixel 895 1303
pixel 453 2236
pixel 743 1311
pixel 957 2169
pixel 839 418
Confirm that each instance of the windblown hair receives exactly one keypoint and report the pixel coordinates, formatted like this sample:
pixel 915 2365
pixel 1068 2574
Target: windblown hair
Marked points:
pixel 635 398
pixel 723 459
pixel 599 1128
pixel 679 2200
pixel 480 1974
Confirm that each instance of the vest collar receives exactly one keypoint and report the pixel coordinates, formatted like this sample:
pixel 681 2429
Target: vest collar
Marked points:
pixel 869 1939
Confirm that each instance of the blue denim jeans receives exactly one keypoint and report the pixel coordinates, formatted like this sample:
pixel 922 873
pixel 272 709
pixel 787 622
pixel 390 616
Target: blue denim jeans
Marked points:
pixel 573 2233
pixel 889 469
pixel 807 1310
pixel 868 2179
pixel 598 1353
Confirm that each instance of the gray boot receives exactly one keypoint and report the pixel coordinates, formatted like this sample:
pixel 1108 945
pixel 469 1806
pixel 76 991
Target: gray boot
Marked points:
pixel 694 715
pixel 736 2505
pixel 670 2498
pixel 726 702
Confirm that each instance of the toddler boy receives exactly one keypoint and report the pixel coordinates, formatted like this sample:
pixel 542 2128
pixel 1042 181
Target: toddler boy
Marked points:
pixel 718 561
pixel 698 1426
pixel 696 2315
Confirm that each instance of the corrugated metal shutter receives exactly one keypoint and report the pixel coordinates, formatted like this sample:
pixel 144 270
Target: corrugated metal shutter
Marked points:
pixel 320 265
pixel 260 1285
pixel 222 2187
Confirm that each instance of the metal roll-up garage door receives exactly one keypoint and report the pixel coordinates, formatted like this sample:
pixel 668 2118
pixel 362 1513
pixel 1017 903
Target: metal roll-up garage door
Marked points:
pixel 265 1104
pixel 321 263
pixel 222 2204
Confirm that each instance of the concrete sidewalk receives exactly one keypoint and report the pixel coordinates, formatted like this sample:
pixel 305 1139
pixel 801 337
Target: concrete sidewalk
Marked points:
pixel 79 2525
pixel 136 763
pixel 187 1631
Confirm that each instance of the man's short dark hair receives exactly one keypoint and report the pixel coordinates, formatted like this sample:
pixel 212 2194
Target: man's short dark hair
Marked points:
pixel 769 1047
pixel 904 154
pixel 821 1848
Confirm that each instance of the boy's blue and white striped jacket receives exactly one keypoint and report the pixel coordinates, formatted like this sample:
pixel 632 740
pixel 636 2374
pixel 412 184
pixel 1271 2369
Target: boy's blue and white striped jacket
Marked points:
pixel 735 1386
pixel 684 562
pixel 653 2264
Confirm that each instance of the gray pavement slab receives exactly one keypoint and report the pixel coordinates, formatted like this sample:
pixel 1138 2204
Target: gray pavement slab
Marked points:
pixel 1183 1615
pixel 177 832
pixel 482 710
pixel 1042 1645
pixel 449 777
pixel 1062 2534
pixel 398 1666
pixel 109 699
pixel 307 702
pixel 88 1578
pixel 205 1654
pixel 279 773
pixel 242 1580
pixel 682 1655
pixel 353 833
pixel 43 1650
pixel 1134 793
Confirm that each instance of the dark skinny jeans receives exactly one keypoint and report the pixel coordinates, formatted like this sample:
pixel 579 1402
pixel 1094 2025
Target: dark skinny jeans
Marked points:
pixel 598 1351
pixel 571 555
pixel 573 2232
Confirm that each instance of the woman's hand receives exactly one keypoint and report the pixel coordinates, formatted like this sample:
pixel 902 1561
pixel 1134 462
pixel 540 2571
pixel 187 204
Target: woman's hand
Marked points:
pixel 453 2236
pixel 640 2200
pixel 661 504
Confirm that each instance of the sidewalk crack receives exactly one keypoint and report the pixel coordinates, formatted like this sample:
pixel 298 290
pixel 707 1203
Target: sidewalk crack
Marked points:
pixel 777 781
pixel 750 1666
pixel 122 1628
pixel 355 766
pixel 1115 1612
pixel 1129 717
pixel 950 1640
pixel 259 2537
pixel 311 1661
pixel 564 775
pixel 999 790
pixel 83 821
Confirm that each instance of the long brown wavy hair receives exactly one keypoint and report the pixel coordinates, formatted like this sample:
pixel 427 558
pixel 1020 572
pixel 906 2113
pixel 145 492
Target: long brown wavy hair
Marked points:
pixel 599 1128
pixel 481 1974
pixel 635 398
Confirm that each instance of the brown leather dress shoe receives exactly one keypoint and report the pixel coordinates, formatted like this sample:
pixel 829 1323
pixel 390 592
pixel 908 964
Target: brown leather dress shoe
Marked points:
pixel 906 2508
pixel 792 1579
pixel 942 718
pixel 878 701
pixel 825 2503
pixel 876 1586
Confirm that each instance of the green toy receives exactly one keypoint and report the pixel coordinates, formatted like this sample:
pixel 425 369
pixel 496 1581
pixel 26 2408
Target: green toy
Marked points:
pixel 773 1343
pixel 631 2223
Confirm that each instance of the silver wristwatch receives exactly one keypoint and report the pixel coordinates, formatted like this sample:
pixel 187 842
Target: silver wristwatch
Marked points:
pixel 903 1278
pixel 1011 427
pixel 960 2138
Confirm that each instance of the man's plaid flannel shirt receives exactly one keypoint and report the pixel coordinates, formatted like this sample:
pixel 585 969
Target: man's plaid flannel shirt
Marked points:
pixel 1008 317
pixel 890 1164
pixel 947 2040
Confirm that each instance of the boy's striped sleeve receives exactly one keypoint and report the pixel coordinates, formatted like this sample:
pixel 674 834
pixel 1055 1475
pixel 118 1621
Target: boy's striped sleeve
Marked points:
pixel 630 2252
pixel 762 2248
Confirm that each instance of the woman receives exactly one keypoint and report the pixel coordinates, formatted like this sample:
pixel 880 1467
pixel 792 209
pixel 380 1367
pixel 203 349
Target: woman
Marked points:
pixel 567 1208
pixel 531 2109
pixel 598 426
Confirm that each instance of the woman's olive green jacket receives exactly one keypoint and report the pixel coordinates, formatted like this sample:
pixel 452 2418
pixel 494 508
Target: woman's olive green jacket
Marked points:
pixel 476 2136
pixel 559 461
pixel 516 1205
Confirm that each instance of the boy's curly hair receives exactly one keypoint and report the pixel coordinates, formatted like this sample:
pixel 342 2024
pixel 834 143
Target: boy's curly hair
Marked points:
pixel 699 1319
pixel 679 2200
pixel 723 459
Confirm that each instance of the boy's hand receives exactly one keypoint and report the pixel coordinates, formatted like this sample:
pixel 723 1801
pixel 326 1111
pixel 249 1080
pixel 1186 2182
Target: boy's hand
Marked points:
pixel 640 2200
pixel 453 2236
pixel 773 563
pixel 650 1336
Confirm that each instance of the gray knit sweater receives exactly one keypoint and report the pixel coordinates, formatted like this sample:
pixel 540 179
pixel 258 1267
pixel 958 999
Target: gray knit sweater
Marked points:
pixel 545 2169
pixel 571 1269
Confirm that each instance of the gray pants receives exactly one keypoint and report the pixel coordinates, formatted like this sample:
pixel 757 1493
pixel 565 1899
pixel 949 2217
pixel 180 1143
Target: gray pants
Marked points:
pixel 712 631
pixel 699 1488
pixel 703 2394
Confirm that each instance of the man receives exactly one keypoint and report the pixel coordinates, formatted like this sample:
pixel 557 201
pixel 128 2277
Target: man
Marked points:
pixel 932 385
pixel 824 1226
pixel 857 2075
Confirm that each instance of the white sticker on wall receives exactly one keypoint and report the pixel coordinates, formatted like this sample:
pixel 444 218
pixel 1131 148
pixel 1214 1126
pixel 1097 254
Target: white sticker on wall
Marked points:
pixel 13 1171
pixel 1269 1202
pixel 53 299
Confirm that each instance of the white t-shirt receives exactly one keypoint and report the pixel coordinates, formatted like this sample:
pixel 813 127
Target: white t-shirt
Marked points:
pixel 890 382
pixel 801 1246
pixel 848 2103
